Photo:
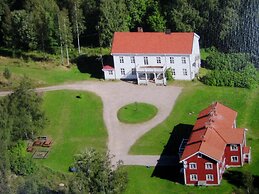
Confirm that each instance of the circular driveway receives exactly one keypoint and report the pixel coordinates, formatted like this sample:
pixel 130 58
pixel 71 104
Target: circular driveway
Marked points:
pixel 114 95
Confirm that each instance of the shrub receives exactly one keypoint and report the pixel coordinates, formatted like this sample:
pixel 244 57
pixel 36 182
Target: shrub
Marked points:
pixel 20 163
pixel 169 74
pixel 233 70
pixel 7 73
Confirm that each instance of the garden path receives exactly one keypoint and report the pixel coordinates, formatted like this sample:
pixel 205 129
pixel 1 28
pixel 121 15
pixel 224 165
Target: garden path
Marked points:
pixel 117 94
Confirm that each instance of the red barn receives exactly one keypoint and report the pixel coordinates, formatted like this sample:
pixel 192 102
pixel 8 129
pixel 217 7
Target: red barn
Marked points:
pixel 214 145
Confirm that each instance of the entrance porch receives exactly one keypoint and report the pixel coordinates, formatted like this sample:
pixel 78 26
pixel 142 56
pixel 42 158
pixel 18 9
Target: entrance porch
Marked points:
pixel 155 74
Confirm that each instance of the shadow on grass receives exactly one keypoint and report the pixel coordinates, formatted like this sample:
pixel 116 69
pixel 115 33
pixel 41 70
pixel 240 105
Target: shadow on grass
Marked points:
pixel 168 166
pixel 93 64
pixel 243 180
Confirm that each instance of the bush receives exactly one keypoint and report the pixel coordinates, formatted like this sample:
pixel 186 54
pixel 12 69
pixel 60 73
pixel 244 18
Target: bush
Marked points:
pixel 20 163
pixel 233 70
pixel 7 73
pixel 169 74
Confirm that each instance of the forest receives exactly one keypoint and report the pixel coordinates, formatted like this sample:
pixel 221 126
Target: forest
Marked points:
pixel 59 26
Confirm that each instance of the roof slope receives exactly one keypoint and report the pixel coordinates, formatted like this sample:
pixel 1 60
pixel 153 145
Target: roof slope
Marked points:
pixel 153 42
pixel 212 131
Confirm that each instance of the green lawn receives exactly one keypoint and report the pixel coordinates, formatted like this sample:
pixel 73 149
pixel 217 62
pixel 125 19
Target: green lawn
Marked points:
pixel 142 182
pixel 74 124
pixel 136 112
pixel 194 99
pixel 42 73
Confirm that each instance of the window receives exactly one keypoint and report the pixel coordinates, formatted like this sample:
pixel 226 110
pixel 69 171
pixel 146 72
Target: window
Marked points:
pixel 132 59
pixel 234 158
pixel 192 166
pixel 172 60
pixel 122 71
pixel 199 155
pixel 193 177
pixel 110 72
pixel 208 165
pixel 173 71
pixel 158 59
pixel 145 61
pixel 233 147
pixel 184 71
pixel 183 60
pixel 121 60
pixel 209 177
pixel 133 71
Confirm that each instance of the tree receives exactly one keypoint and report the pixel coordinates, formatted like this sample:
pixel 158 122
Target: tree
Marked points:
pixel 137 10
pixel 23 30
pixel 24 109
pixel 65 33
pixel 46 23
pixel 184 17
pixel 95 174
pixel 5 142
pixel 155 20
pixel 77 20
pixel 114 17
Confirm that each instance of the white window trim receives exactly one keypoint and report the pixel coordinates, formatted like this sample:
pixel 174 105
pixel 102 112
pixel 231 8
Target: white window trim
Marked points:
pixel 171 60
pixel 193 177
pixel 145 60
pixel 121 59
pixel 185 73
pixel 207 164
pixel 234 147
pixel 173 72
pixel 192 163
pixel 123 71
pixel 110 72
pixel 232 159
pixel 132 59
pixel 209 177
pixel 183 60
pixel 158 60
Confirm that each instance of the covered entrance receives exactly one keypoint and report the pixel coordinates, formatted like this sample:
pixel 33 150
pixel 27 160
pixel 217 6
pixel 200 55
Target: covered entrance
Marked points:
pixel 154 74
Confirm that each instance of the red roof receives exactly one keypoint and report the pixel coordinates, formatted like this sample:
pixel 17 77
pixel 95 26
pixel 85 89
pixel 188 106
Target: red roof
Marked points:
pixel 153 42
pixel 212 131
pixel 108 67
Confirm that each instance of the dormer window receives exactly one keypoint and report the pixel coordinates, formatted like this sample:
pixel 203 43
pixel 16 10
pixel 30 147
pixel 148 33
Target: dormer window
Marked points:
pixel 233 147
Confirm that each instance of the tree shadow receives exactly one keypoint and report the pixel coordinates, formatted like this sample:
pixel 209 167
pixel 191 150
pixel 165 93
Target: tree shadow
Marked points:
pixel 168 166
pixel 93 64
pixel 242 180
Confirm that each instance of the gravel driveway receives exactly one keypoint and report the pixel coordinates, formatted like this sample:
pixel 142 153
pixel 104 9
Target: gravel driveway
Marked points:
pixel 117 94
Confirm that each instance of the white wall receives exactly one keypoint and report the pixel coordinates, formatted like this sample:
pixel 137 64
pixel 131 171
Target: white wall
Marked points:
pixel 192 64
pixel 107 75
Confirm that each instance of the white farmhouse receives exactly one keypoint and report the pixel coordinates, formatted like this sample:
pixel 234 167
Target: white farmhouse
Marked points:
pixel 145 56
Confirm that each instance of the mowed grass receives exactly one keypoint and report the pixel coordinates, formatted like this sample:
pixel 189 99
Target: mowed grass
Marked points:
pixel 142 182
pixel 136 112
pixel 42 73
pixel 188 105
pixel 194 99
pixel 74 125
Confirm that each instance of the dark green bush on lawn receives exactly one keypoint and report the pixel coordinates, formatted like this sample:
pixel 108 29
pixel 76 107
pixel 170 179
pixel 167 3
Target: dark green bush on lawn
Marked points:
pixel 233 70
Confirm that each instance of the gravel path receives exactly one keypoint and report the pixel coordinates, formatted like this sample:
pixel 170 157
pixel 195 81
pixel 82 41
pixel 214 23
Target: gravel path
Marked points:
pixel 117 94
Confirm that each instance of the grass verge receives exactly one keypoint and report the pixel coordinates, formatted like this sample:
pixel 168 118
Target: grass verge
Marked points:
pixel 136 112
